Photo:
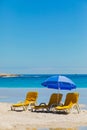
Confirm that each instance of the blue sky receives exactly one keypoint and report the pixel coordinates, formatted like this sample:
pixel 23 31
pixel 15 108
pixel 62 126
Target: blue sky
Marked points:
pixel 43 36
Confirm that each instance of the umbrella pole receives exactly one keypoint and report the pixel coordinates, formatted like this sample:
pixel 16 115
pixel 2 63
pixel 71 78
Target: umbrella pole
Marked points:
pixel 58 95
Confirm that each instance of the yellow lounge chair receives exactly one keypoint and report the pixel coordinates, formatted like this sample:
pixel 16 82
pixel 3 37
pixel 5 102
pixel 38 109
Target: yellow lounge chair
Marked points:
pixel 54 101
pixel 71 101
pixel 31 98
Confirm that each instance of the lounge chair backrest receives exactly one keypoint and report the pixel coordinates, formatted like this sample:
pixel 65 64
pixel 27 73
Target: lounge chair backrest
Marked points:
pixel 75 97
pixel 71 98
pixel 68 99
pixel 55 99
pixel 31 96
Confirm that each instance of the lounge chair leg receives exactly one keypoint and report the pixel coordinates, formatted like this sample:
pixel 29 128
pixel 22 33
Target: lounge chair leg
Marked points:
pixel 24 108
pixel 12 108
pixel 68 111
pixel 78 108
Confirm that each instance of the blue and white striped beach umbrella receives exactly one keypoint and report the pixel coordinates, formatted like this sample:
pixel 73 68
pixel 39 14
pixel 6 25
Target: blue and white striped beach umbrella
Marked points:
pixel 59 82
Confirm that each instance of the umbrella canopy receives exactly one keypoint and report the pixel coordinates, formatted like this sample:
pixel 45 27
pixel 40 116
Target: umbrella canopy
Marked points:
pixel 59 82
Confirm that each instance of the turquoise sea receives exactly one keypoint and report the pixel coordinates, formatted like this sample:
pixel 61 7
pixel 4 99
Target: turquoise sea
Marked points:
pixel 35 80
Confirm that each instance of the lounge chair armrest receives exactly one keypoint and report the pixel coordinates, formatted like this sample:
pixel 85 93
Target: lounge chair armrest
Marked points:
pixel 60 104
pixel 20 101
pixel 53 105
pixel 42 104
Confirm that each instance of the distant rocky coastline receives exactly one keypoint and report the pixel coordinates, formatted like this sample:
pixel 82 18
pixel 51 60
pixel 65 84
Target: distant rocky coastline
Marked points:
pixel 9 75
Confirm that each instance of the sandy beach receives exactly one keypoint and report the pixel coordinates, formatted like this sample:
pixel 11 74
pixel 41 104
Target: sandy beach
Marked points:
pixel 24 120
pixel 27 120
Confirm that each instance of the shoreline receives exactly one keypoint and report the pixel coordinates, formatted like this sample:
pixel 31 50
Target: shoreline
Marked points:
pixel 22 120
pixel 12 95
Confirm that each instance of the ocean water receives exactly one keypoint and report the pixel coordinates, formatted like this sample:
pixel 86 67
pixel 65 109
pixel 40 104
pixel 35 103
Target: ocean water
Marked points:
pixel 13 89
pixel 32 81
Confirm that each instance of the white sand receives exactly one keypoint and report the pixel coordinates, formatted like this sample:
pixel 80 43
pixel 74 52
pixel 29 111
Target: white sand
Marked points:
pixel 23 120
